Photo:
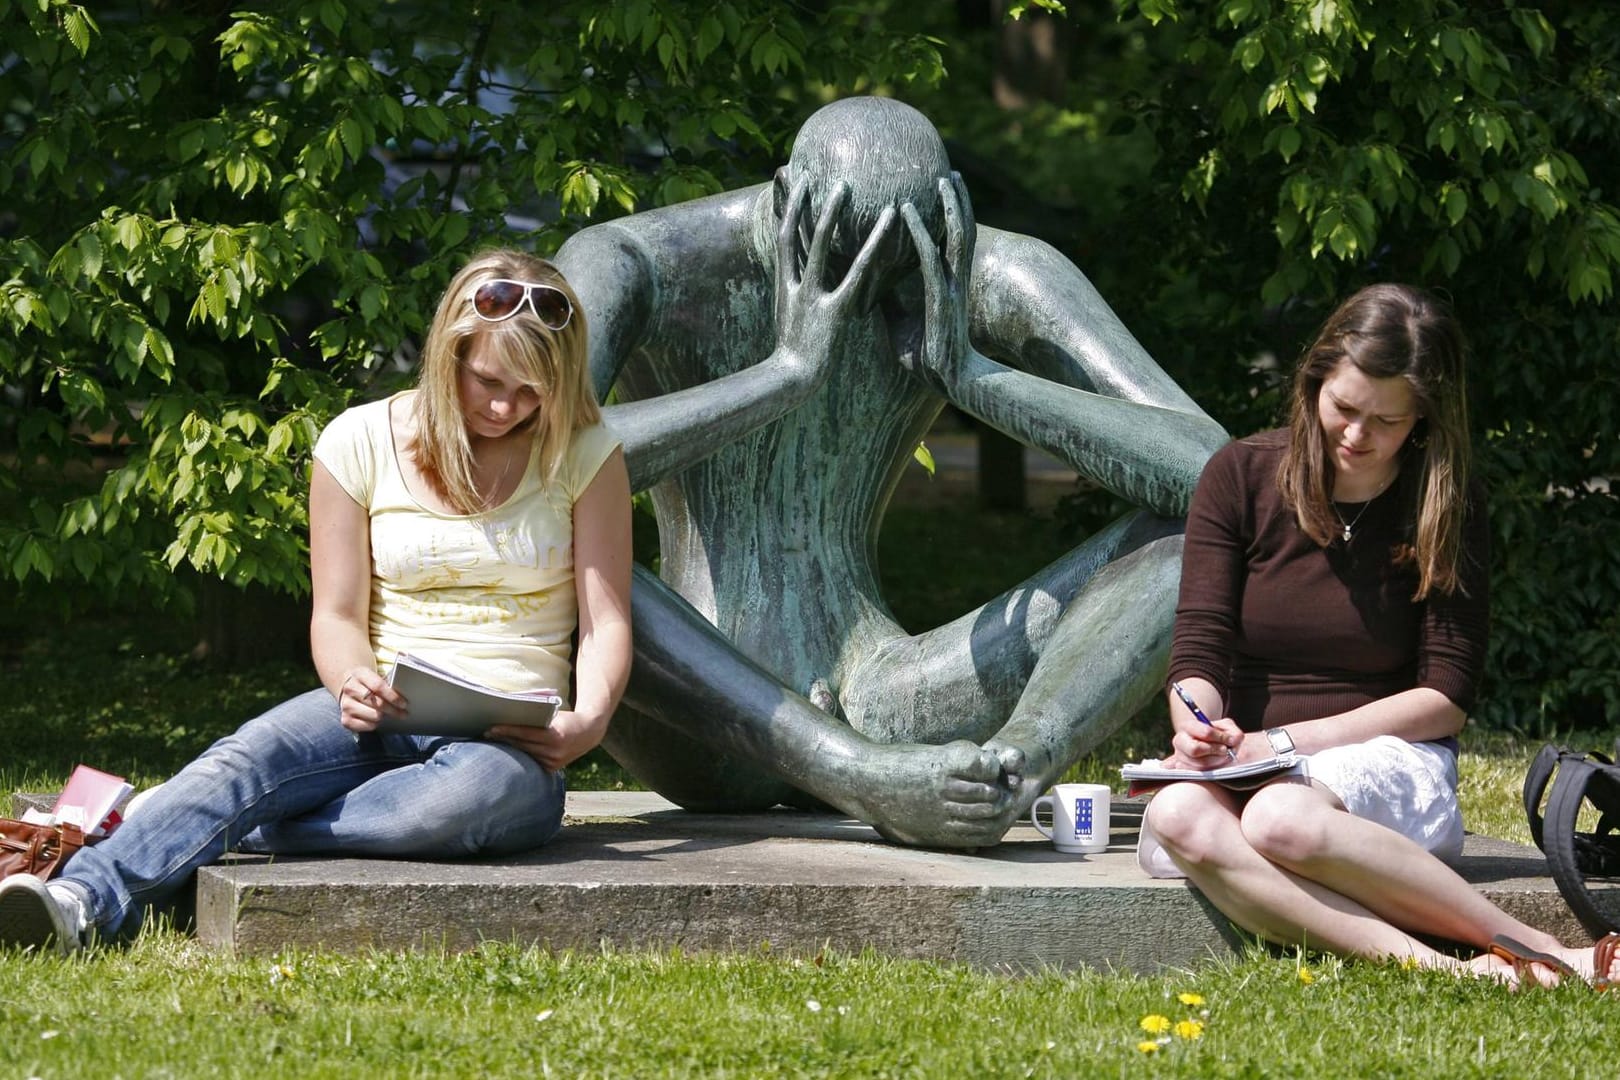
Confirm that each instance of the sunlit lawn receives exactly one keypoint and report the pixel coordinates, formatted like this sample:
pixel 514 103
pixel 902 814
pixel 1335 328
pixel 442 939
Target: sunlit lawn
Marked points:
pixel 121 693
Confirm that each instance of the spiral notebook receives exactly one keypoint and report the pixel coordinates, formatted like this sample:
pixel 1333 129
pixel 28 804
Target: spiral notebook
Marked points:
pixel 1150 774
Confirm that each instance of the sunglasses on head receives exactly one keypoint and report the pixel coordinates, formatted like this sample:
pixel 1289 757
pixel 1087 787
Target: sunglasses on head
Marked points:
pixel 495 301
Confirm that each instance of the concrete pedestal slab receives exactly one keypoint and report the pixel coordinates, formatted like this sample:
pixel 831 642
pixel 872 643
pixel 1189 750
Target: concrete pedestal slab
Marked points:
pixel 631 870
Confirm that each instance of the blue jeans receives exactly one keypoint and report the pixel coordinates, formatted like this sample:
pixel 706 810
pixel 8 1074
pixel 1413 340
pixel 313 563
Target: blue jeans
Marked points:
pixel 296 782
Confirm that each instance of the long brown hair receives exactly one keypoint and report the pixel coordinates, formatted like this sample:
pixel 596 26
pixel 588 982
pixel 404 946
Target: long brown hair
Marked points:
pixel 1391 331
pixel 553 362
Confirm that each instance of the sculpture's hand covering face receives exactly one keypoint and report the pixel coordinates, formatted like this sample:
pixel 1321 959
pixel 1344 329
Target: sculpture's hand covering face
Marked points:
pixel 887 154
pixel 937 346
pixel 816 301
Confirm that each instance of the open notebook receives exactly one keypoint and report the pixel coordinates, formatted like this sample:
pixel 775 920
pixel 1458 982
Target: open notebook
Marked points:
pixel 445 703
pixel 1150 774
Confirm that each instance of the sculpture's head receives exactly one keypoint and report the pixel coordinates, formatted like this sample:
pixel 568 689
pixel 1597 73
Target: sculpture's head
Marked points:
pixel 888 153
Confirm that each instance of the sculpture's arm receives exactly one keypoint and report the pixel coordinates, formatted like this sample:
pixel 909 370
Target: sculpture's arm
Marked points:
pixel 1148 454
pixel 665 434
pixel 1099 402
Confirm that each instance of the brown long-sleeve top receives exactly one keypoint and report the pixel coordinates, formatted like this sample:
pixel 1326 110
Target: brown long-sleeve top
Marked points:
pixel 1290 631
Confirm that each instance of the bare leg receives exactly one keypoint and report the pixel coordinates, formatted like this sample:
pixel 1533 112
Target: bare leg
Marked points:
pixel 1341 899
pixel 1302 829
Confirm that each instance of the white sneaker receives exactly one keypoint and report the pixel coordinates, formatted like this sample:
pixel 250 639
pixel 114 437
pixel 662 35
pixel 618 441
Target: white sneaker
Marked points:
pixel 32 917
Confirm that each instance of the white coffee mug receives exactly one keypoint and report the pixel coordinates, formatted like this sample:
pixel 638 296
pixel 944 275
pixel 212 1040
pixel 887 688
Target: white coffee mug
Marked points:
pixel 1079 817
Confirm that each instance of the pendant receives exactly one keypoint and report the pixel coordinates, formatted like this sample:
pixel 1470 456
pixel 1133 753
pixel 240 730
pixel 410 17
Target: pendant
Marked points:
pixel 1347 534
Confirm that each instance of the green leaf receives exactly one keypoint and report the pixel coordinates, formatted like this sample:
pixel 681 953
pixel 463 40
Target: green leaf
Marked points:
pixel 32 557
pixel 1454 201
pixel 129 233
pixel 453 230
pixel 1274 97
pixel 1288 142
pixel 1237 12
pixel 78 26
pixel 1538 33
pixel 90 261
pixel 373 298
pixel 353 137
pixel 924 457
pixel 709 36
pixel 1249 51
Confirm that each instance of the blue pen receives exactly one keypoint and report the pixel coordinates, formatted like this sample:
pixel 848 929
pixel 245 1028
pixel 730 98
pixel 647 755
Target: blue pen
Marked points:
pixel 1186 699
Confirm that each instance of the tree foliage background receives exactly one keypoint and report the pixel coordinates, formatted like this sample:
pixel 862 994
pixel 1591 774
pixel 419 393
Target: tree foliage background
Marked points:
pixel 221 221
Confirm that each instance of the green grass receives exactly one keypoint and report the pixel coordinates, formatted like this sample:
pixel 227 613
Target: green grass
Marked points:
pixel 164 1007
pixel 121 693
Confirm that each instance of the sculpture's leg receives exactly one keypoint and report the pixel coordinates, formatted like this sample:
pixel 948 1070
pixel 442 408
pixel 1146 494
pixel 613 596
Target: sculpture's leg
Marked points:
pixel 965 679
pixel 1104 661
pixel 713 729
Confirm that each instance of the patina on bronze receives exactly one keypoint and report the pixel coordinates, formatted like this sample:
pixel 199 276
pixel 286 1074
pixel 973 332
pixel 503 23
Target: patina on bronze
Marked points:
pixel 779 351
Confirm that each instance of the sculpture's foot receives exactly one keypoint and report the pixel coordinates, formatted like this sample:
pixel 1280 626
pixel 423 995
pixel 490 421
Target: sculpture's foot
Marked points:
pixel 958 795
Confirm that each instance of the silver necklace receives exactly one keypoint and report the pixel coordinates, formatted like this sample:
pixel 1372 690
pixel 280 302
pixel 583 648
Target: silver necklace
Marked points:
pixel 1350 525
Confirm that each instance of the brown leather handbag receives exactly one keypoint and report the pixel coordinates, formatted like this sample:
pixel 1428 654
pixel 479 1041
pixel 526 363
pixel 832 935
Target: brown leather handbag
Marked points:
pixel 26 848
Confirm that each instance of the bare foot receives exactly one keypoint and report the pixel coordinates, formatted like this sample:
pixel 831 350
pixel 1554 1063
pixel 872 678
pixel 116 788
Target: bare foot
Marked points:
pixel 1548 961
pixel 1495 967
pixel 1484 966
pixel 1585 959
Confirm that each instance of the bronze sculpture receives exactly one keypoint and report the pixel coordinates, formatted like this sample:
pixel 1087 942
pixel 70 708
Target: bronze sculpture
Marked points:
pixel 778 352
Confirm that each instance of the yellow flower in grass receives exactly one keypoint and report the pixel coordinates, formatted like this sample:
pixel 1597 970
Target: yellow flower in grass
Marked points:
pixel 1305 976
pixel 1148 1046
pixel 1154 1024
pixel 1189 1029
pixel 1192 1001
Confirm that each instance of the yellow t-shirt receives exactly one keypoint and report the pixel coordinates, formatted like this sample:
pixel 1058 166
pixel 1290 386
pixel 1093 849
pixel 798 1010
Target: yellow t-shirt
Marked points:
pixel 489 595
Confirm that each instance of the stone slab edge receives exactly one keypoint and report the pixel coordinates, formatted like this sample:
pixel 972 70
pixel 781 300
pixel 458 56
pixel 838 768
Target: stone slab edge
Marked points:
pixel 633 872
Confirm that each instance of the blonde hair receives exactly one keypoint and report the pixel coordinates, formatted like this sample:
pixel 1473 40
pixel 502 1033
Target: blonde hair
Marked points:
pixel 553 362
pixel 1391 331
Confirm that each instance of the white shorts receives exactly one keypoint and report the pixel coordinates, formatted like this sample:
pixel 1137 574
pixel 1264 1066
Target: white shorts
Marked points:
pixel 1408 787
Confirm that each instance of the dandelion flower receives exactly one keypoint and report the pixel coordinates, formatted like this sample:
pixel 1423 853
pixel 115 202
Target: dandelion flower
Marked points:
pixel 1189 1029
pixel 1190 1000
pixel 1154 1024
pixel 1305 976
pixel 1148 1046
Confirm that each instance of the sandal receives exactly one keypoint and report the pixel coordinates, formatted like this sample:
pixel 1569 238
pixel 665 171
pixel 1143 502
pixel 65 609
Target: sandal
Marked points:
pixel 1603 962
pixel 1524 959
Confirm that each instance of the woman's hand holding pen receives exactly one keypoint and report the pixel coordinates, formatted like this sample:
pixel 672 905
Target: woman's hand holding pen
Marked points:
pixel 1200 747
pixel 365 697
pixel 1198 742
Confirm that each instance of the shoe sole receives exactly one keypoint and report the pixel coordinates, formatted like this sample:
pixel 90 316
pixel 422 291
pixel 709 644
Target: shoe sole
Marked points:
pixel 25 921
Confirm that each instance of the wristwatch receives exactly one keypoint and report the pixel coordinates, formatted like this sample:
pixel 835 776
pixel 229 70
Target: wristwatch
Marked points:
pixel 1281 742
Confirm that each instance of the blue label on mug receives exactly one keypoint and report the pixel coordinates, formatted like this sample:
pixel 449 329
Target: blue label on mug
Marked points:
pixel 1082 818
